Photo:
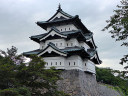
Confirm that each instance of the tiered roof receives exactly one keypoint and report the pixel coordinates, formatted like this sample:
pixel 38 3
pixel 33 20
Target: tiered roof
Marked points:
pixel 67 34
pixel 82 34
pixel 67 19
pixel 68 51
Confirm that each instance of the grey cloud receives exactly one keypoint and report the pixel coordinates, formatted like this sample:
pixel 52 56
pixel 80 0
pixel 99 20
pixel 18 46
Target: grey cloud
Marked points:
pixel 18 17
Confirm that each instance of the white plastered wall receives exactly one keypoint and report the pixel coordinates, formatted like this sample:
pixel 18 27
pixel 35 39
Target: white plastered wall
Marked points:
pixel 42 45
pixel 72 42
pixel 90 66
pixel 58 62
pixel 73 62
pixel 83 44
pixel 62 28
pixel 60 43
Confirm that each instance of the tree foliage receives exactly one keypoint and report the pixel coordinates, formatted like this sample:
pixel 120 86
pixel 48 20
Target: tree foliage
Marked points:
pixel 118 25
pixel 107 76
pixel 18 78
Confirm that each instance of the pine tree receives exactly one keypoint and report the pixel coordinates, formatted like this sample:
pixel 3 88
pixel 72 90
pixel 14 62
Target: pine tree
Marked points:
pixel 18 78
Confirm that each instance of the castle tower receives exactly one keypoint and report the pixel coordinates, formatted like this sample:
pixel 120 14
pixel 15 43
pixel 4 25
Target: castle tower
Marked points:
pixel 67 44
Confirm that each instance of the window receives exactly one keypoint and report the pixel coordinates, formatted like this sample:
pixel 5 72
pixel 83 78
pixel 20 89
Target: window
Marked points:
pixel 51 63
pixel 74 63
pixel 67 44
pixel 61 44
pixel 69 28
pixel 56 44
pixel 65 29
pixel 56 63
pixel 85 64
pixel 47 63
pixel 69 63
pixel 60 63
pixel 61 29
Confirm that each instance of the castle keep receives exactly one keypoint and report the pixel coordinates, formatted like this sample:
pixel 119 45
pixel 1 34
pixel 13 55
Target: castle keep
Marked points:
pixel 67 43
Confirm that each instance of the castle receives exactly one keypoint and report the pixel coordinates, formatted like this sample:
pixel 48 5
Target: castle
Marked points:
pixel 67 44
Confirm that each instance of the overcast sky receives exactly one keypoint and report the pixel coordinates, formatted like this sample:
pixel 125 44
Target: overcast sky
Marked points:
pixel 18 17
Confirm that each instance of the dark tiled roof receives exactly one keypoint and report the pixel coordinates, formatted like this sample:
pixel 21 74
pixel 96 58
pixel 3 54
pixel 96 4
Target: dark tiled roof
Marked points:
pixel 54 47
pixel 68 49
pixel 88 35
pixel 38 36
pixel 62 12
pixel 32 52
pixel 65 33
pixel 91 52
pixel 61 18
pixel 66 14
pixel 55 21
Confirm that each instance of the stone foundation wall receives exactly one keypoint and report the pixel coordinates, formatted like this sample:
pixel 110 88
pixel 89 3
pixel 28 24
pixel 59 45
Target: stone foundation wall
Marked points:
pixel 79 83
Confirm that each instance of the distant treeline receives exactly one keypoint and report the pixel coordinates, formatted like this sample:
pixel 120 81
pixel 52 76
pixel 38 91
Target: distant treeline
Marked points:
pixel 113 77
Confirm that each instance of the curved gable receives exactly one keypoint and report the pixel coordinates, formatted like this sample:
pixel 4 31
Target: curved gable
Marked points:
pixel 52 33
pixel 60 14
pixel 52 48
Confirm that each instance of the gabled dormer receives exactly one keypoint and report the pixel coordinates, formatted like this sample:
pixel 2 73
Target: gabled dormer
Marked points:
pixel 63 22
pixel 60 15
pixel 53 33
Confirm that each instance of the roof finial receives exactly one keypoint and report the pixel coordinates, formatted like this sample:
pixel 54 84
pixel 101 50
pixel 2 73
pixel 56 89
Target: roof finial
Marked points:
pixel 59 7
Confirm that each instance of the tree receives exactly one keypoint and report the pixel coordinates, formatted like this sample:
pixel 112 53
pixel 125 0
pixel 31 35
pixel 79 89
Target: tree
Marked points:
pixel 18 78
pixel 118 25
pixel 107 76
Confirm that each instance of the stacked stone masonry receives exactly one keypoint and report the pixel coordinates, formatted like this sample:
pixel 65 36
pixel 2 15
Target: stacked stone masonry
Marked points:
pixel 79 83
